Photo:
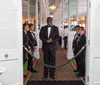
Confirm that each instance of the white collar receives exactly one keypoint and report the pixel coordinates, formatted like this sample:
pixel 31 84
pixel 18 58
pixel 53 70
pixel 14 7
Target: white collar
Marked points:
pixel 31 31
pixel 25 31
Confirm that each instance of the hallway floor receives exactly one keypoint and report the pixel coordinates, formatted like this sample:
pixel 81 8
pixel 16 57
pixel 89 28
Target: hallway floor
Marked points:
pixel 62 74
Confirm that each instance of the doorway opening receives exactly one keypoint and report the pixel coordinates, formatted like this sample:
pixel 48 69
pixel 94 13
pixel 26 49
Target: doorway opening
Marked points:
pixel 66 15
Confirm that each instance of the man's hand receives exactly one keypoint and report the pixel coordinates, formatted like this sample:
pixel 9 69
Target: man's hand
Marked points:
pixel 49 41
pixel 73 49
pixel 29 48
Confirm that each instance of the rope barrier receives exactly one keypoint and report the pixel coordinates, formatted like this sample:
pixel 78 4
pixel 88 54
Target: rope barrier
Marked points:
pixel 58 66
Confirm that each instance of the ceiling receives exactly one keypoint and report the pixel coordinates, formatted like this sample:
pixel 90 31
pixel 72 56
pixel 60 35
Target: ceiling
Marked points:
pixel 77 7
pixel 25 7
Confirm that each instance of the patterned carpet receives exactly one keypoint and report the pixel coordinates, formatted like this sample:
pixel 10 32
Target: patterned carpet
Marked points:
pixel 64 73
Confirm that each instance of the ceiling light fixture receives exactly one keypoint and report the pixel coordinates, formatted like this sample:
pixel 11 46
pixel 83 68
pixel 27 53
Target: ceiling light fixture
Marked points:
pixel 52 7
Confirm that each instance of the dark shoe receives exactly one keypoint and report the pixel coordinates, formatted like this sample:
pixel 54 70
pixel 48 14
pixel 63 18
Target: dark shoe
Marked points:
pixel 33 71
pixel 52 77
pixel 80 75
pixel 75 71
pixel 25 76
pixel 28 69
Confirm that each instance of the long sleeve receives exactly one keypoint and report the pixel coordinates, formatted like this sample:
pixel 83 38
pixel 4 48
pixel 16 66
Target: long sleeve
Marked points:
pixel 56 38
pixel 31 41
pixel 82 41
pixel 41 35
pixel 25 40
pixel 73 43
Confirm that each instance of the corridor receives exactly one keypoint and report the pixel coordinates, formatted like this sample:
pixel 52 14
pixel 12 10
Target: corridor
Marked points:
pixel 63 73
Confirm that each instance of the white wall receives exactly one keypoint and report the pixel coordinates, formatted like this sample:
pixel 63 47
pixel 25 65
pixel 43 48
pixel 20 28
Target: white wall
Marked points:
pixel 11 41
